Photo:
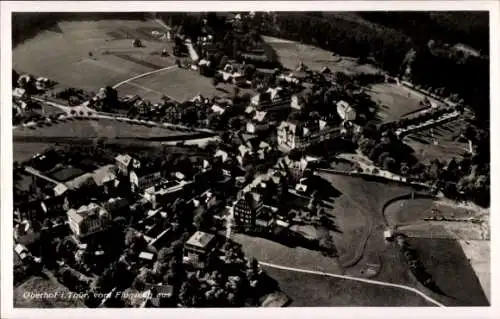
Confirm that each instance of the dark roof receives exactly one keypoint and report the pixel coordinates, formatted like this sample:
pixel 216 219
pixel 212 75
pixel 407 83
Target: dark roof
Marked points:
pixel 145 170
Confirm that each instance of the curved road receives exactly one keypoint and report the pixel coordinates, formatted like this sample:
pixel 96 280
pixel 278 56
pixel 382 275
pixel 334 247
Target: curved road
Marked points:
pixel 368 281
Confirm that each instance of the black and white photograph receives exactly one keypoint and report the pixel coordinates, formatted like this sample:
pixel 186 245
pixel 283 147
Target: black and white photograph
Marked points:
pixel 217 158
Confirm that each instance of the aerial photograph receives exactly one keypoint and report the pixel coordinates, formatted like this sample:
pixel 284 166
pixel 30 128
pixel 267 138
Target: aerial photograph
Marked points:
pixel 251 159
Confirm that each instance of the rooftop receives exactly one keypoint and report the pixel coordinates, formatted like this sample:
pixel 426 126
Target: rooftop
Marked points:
pixel 200 239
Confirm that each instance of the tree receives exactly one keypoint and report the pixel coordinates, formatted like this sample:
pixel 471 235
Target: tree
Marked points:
pixel 389 163
pixel 223 61
pixel 15 78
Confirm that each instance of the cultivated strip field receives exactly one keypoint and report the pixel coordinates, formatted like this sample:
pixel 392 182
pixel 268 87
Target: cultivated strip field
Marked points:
pixel 440 143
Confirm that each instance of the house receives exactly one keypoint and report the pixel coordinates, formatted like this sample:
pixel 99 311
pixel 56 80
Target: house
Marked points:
pixel 239 79
pixel 247 208
pixel 266 217
pixel 254 127
pixel 105 176
pixel 87 220
pixel 222 154
pixel 289 135
pixel 19 93
pixel 198 246
pixel 217 109
pixel 326 70
pixel 162 193
pixel 260 99
pixel 143 178
pixel 123 162
pixel 345 111
pixel 22 251
pixel 297 102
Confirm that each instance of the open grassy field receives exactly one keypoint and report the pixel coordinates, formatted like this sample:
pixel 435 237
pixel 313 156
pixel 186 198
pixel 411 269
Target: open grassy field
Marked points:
pixel 291 53
pixel 272 252
pixel 359 218
pixel 28 141
pixel 395 101
pixel 97 128
pixel 445 260
pixel 48 286
pixel 448 146
pixel 406 211
pixel 62 53
pixel 309 290
pixel 178 84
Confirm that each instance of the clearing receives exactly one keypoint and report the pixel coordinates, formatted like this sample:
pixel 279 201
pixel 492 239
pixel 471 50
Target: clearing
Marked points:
pixel 178 84
pixel 299 257
pixel 290 54
pixel 62 53
pixel 395 101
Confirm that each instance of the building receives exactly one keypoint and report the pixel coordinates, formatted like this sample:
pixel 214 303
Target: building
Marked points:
pixel 297 102
pixel 143 178
pixel 290 135
pixel 87 220
pixel 198 246
pixel 123 162
pixel 256 127
pixel 294 135
pixel 345 111
pixel 247 208
pixel 161 194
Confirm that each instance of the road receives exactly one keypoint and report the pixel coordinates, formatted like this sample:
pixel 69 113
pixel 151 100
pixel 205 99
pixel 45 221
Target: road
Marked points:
pixel 368 281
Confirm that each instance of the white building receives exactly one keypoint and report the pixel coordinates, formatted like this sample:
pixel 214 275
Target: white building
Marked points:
pixel 345 111
pixel 87 220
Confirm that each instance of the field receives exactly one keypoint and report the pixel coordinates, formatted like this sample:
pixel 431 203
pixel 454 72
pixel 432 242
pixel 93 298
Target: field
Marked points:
pixel 62 53
pixel 404 211
pixel 447 147
pixel 28 141
pixel 97 128
pixel 178 84
pixel 445 261
pixel 291 53
pixel 395 101
pixel 44 285
pixel 309 290
pixel 272 252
